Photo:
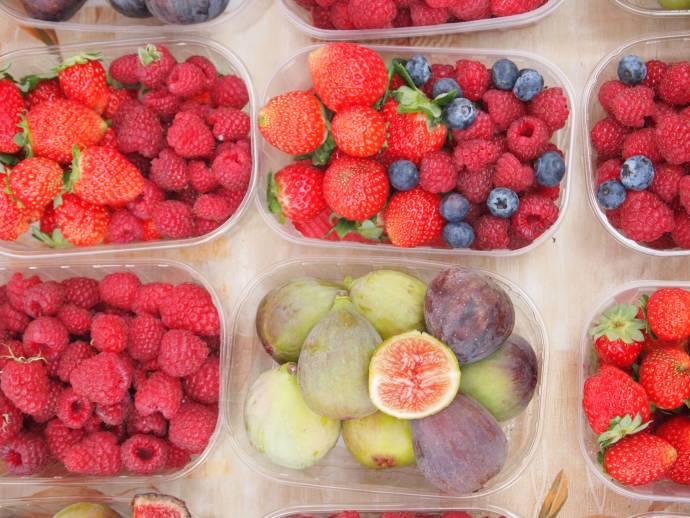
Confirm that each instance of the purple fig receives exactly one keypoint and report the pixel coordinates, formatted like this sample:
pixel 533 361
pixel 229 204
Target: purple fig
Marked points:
pixel 131 8
pixel 186 12
pixel 52 10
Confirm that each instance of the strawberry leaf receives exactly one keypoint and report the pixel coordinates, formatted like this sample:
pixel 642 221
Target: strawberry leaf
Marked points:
pixel 8 159
pixel 399 67
pixel 620 322
pixel 621 427
pixel 387 94
pixel 368 229
pixel 28 83
pixel 80 59
pixel 272 198
pixel 445 99
pixel 322 154
pixel 148 54
pixel 55 240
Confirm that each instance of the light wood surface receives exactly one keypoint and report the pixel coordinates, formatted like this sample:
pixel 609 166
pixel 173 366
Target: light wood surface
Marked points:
pixel 564 277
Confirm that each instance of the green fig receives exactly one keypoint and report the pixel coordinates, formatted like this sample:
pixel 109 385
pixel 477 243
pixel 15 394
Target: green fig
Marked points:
pixel 379 441
pixel 287 314
pixel 392 301
pixel 87 510
pixel 333 367
pixel 280 424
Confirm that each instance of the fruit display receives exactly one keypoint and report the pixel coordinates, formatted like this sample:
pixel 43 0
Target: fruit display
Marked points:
pixel 636 385
pixel 458 152
pixel 390 386
pixel 400 514
pixel 107 371
pixel 397 511
pixel 663 8
pixel 122 148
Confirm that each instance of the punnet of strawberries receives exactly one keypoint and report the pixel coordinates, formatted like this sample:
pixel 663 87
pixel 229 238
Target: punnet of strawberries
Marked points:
pixel 642 147
pixel 636 399
pixel 106 377
pixel 383 14
pixel 414 153
pixel 143 148
pixel 397 514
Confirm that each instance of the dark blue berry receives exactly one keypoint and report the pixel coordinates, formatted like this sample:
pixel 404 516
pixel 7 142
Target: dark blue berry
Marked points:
pixel 637 173
pixel 611 194
pixel 549 169
pixel 460 114
pixel 632 70
pixel 504 73
pixel 445 85
pixel 403 175
pixel 454 207
pixel 419 69
pixel 458 235
pixel 503 202
pixel 528 84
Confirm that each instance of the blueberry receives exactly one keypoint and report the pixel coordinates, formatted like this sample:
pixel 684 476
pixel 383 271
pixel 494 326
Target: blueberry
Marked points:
pixel 503 202
pixel 460 114
pixel 528 84
pixel 419 69
pixel 458 235
pixel 454 207
pixel 637 173
pixel 632 70
pixel 445 85
pixel 611 194
pixel 403 175
pixel 549 169
pixel 504 73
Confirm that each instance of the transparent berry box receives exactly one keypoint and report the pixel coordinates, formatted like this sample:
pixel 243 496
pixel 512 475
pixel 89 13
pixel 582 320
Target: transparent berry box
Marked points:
pixel 374 511
pixel 671 47
pixel 148 270
pixel 43 59
pixel 664 490
pixel 294 74
pixel 650 8
pixel 338 470
pixel 301 18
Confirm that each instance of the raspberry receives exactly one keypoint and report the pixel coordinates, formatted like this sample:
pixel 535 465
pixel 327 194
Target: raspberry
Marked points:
pixel 114 415
pixel 60 438
pixel 511 173
pixel 187 196
pixel 468 10
pixel 212 207
pixel 192 427
pixel 475 186
pixel 482 128
pixel 608 92
pixel 534 216
pixel 43 299
pixel 138 129
pixel 124 227
pixel 203 386
pixel 119 289
pixel 666 181
pixel 162 103
pixel 513 7
pixel 142 207
pixel 16 287
pixel 124 69
pixel 551 106
pixel 673 138
pixel 527 137
pixel 186 80
pixel 655 72
pixel 76 320
pixel 25 454
pixel 422 14
pixel 145 333
pixel 475 155
pixel 320 18
pixel 339 15
pixel 190 137
pixel 473 77
pixel 681 231
pixel 154 423
pixel 150 231
pixel 97 454
pixel 230 91
pixel 503 108
pixel 169 171
pixel 155 65
pixel 437 173
pixel 229 124
pixel 674 87
pixel 72 409
pixel 115 99
pixel 103 379
pixel 177 457
pixel 181 353
pixel 205 226
pixel 644 217
pixel 49 410
pixel 684 193
pixel 159 393
pixel 233 168
pixel 660 110
pixel 491 233
pixel 200 176
pixel 173 219
pixel 109 333
pixel 11 419
pixel 642 142
pixel 190 307
pixel 632 105
pixel 144 454
pixel 45 337
pixel 372 14
pixel 109 139
pixel 149 298
pixel 73 355
pixel 15 321
pixel 607 137
pixel 25 383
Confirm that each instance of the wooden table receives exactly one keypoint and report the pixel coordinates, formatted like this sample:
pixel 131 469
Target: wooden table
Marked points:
pixel 564 277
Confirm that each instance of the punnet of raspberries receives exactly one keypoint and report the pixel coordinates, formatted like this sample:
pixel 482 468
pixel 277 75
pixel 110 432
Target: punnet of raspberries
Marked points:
pixel 106 377
pixel 415 153
pixel 144 148
pixel 635 397
pixel 385 14
pixel 399 514
pixel 642 152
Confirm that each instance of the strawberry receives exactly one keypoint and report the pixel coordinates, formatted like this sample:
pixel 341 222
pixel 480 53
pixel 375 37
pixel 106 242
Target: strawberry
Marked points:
pixel 82 79
pixel 413 218
pixel 79 222
pixel 346 74
pixel 101 175
pixel 618 335
pixel 677 432
pixel 665 376
pixel 11 108
pixel 409 135
pixel 668 313
pixel 359 131
pixel 639 459
pixel 13 219
pixel 355 188
pixel 35 181
pixel 296 192
pixel 293 122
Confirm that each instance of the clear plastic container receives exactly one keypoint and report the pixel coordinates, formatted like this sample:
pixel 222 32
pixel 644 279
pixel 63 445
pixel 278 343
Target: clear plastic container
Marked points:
pixel 294 74
pixel 42 59
pixel 301 18
pixel 664 490
pixel 669 47
pixel 338 470
pixel 374 511
pixel 650 8
pixel 660 515
pixel 148 270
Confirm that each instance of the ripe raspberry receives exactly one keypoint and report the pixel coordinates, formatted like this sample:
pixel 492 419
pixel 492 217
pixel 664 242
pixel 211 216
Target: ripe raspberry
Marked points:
pixel 144 454
pixel 534 216
pixel 473 77
pixel 73 355
pixel 608 92
pixel 97 454
pixel 684 193
pixel 60 438
pixel 25 383
pixel 114 415
pixel 155 424
pixel 528 137
pixel 339 15
pixel 190 137
pixel 203 386
pixel 16 287
pixel 551 106
pixel 145 333
pixel 162 103
pixel 422 14
pixel 43 299
pixel 372 14
pixel 642 142
pixel 192 427
pixel 607 137
pixel 159 393
pixel 119 289
pixel 511 173
pixel 491 233
pixel 482 128
pixel 513 7
pixel 233 168
pixel 124 69
pixel 673 138
pixel 181 353
pixel 674 87
pixel 103 379
pixel 644 217
pixel 149 298
pixel 230 91
pixel 201 178
pixel 173 219
pixel 177 457
pixel 186 80
pixel 666 181
pixel 15 321
pixel 109 333
pixel 320 18
pixel 475 186
pixel 475 155
pixel 169 171
pixel 155 65
pixel 205 226
pixel 229 124
pixel 681 231
pixel 632 105
pixel 11 419
pixel 437 173
pixel 468 10
pixel 82 292
pixel 116 97
pixel 25 454
pixel 142 207
pixel 50 408
pixel 76 320
pixel 503 108
pixel 138 129
pixel 72 409
pixel 124 227
pixel 190 307
pixel 660 110
pixel 109 139
pixel 212 207
pixel 655 72
pixel 45 337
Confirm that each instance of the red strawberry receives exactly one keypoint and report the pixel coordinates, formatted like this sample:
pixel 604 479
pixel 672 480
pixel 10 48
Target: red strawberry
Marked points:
pixel 35 181
pixel 293 122
pixel 13 220
pixel 639 459
pixel 409 135
pixel 668 313
pixel 677 432
pixel 298 192
pixel 80 222
pixel 413 218
pixel 665 376
pixel 11 108
pixel 359 131
pixel 82 79
pixel 355 188
pixel 618 335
